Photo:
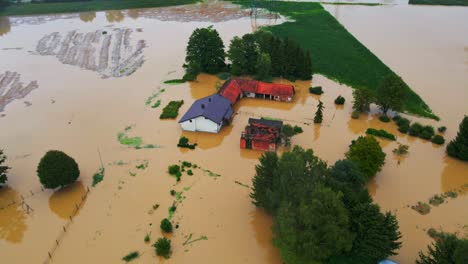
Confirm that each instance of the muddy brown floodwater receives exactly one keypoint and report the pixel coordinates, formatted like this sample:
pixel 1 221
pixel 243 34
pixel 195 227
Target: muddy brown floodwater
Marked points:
pixel 77 111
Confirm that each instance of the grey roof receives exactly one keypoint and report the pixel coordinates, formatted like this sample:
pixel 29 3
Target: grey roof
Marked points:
pixel 267 122
pixel 214 107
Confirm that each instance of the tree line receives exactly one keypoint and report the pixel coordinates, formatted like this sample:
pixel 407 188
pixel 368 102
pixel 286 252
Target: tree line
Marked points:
pixel 258 54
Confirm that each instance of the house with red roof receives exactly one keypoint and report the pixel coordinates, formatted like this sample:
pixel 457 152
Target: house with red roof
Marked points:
pixel 236 88
pixel 261 134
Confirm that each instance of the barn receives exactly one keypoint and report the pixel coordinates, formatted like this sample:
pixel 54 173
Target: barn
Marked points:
pixel 236 88
pixel 207 114
pixel 261 134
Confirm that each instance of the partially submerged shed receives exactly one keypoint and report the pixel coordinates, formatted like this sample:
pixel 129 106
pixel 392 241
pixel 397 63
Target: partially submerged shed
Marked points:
pixel 261 134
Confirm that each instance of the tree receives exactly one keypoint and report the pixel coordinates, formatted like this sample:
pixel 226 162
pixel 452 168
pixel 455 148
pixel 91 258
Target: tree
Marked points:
pixel 163 247
pixel 346 173
pixel 57 169
pixel 458 148
pixel 391 93
pixel 287 132
pixel 4 3
pixel 263 181
pixel 251 53
pixel 367 154
pixel 319 114
pixel 362 99
pixel 205 50
pixel 263 67
pixel 447 249
pixel 3 168
pixel 237 56
pixel 166 225
pixel 315 229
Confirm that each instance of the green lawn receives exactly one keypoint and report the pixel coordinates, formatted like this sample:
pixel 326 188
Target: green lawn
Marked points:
pixel 439 2
pixel 335 52
pixel 93 5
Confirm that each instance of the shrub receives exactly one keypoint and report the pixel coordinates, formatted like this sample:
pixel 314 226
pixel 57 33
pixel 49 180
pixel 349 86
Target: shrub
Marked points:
pixel 436 200
pixel 171 110
pixel 297 129
pixel 189 172
pixel 401 121
pixel 166 225
pixel 316 90
pixel 163 247
pixel 404 128
pixel 380 133
pixel 98 177
pixel 57 169
pixel 147 238
pixel 422 208
pixel 175 81
pixel 340 100
pixel 427 132
pixel 172 192
pixel 442 129
pixel 438 139
pixel 3 169
pixel 415 129
pixel 367 154
pixel 401 150
pixel 384 118
pixel 458 148
pixel 184 143
pixel 355 114
pixel 131 256
pixel 174 170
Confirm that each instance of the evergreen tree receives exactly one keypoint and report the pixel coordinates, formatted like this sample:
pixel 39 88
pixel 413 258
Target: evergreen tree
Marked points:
pixel 205 50
pixel 391 93
pixel 363 97
pixel 277 57
pixel 447 249
pixel 306 72
pixel 251 53
pixel 367 154
pixel 319 114
pixel 263 67
pixel 237 56
pixel 458 148
pixel 3 168
pixel 263 181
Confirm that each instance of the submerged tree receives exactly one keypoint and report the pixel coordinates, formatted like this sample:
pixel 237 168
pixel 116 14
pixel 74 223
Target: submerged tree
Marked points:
pixel 3 168
pixel 57 169
pixel 362 99
pixel 391 93
pixel 319 114
pixel 458 148
pixel 263 181
pixel 367 154
pixel 263 67
pixel 446 249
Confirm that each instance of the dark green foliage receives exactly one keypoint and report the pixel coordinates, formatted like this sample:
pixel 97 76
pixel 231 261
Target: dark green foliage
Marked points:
pixel 174 170
pixel 4 4
pixel 251 53
pixel 147 238
pixel 346 174
pixel 401 149
pixel 187 164
pixel 263 67
pixel 172 192
pixel 189 172
pixel 237 57
pixel 427 132
pixel 174 81
pixel 262 190
pixel 319 114
pixel 438 139
pixel 184 143
pixel 316 90
pixel 436 200
pixel 171 110
pixel 439 2
pixel 205 51
pixel 447 249
pixel 362 100
pixel 288 131
pixel 367 154
pixel 442 129
pixel 340 100
pixel 166 225
pixel 98 177
pixel 415 129
pixel 380 133
pixel 403 124
pixel 384 118
pixel 3 168
pixel 355 114
pixel 391 93
pixel 57 169
pixel 224 75
pixel 297 129
pixel 458 148
pixel 163 247
pixel 131 256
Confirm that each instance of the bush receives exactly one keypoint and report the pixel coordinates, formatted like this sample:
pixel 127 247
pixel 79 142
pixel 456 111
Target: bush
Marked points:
pixel 163 247
pixel 355 114
pixel 367 154
pixel 57 169
pixel 384 118
pixel 184 143
pixel 189 172
pixel 175 81
pixel 404 128
pixel 171 110
pixel 401 121
pixel 438 139
pixel 380 133
pixel 316 90
pixel 415 129
pixel 401 150
pixel 297 129
pixel 442 129
pixel 131 256
pixel 174 170
pixel 166 225
pixel 427 132
pixel 340 100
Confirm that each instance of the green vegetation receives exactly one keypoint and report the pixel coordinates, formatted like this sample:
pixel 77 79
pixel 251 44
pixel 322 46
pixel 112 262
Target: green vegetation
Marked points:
pixel 340 100
pixel 401 149
pixel 175 81
pixel 355 114
pixel 362 100
pixel 134 142
pixel 98 177
pixel 189 239
pixel 131 256
pixel 189 172
pixel 439 2
pixel 436 200
pixel 184 143
pixel 263 67
pixel 458 148
pixel 163 247
pixel 442 129
pixel 147 237
pixel 367 154
pixel 171 211
pixel 422 208
pixel 380 133
pixel 3 168
pixel 36 8
pixel 448 248
pixel 171 110
pixel 403 124
pixel 154 95
pixel 319 113
pixel 427 132
pixel 335 52
pixel 438 139
pixel 316 90
pixel 384 118
pixel 156 104
pixel 57 169
pixel 391 93
pixel 321 214
pixel 142 165
pixel 415 129
pixel 166 225
pixel 241 184
pixel 175 171
pixel 288 131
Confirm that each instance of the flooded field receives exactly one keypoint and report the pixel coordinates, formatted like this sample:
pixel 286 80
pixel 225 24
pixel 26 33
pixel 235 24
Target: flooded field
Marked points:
pixel 75 110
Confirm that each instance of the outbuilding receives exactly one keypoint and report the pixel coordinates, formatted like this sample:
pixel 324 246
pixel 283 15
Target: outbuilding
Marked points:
pixel 261 134
pixel 236 88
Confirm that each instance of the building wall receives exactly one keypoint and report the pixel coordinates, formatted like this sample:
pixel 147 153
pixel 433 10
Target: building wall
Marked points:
pixel 200 124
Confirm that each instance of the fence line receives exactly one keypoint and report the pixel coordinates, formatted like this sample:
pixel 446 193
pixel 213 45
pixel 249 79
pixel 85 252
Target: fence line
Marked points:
pixel 22 198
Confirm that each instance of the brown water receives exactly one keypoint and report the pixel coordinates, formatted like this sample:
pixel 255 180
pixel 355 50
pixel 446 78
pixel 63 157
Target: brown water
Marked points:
pixel 77 111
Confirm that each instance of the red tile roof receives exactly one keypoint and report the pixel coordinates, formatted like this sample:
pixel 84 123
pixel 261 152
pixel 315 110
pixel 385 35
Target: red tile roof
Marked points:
pixel 232 89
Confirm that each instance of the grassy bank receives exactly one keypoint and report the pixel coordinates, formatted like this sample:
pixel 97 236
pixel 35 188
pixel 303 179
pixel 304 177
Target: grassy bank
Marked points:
pixel 85 6
pixel 335 52
pixel 439 2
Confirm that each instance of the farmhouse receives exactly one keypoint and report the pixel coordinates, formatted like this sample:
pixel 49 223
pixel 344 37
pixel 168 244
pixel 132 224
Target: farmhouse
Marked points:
pixel 235 89
pixel 261 134
pixel 207 114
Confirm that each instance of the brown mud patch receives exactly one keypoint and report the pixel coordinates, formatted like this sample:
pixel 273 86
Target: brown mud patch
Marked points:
pixel 11 88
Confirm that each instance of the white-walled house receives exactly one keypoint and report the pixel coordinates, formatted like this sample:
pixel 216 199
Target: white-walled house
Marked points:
pixel 207 114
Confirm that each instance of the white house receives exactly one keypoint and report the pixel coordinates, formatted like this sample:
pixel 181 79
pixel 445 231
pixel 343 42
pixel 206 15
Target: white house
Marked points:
pixel 208 114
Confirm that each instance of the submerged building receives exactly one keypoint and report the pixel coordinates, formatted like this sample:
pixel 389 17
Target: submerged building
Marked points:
pixel 207 114
pixel 261 134
pixel 235 89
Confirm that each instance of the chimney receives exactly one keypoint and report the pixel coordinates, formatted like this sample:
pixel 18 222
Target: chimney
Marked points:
pixel 203 106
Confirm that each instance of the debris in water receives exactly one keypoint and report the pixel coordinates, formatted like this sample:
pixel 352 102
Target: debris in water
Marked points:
pixel 12 88
pixel 189 239
pixel 422 208
pixel 135 142
pixel 98 176
pixel 242 184
pixel 142 166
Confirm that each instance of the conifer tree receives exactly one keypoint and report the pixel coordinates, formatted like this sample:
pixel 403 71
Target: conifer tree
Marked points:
pixel 237 56
pixel 458 148
pixel 251 53
pixel 263 67
pixel 319 114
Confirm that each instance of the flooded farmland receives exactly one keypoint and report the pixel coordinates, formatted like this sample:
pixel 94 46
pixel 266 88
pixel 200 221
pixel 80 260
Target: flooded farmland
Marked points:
pixel 75 110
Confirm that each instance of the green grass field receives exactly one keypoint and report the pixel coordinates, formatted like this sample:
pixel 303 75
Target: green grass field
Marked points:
pixel 85 6
pixel 439 2
pixel 335 52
